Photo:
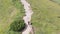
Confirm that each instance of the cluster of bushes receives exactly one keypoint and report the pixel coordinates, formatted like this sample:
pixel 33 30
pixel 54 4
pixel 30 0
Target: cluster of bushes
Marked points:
pixel 17 25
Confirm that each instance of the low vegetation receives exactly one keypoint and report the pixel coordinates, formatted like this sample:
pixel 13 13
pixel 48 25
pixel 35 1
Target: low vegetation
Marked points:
pixel 45 18
pixel 10 10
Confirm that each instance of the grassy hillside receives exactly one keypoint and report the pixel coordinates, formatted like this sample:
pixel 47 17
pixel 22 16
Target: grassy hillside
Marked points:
pixel 9 11
pixel 46 17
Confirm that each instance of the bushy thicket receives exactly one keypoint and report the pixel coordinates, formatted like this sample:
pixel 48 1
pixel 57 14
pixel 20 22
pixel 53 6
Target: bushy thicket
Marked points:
pixel 17 25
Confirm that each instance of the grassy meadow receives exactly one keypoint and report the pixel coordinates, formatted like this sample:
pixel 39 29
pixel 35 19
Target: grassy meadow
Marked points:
pixel 9 11
pixel 46 17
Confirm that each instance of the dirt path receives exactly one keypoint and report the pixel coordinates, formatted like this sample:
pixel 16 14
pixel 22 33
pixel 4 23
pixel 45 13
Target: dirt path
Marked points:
pixel 27 18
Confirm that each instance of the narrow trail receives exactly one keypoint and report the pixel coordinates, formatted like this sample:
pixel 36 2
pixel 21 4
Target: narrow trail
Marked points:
pixel 27 18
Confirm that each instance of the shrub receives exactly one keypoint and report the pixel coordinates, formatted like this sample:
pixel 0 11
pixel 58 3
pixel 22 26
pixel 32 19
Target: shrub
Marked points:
pixel 17 25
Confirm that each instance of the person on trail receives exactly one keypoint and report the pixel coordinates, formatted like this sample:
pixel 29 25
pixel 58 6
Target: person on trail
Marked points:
pixel 29 23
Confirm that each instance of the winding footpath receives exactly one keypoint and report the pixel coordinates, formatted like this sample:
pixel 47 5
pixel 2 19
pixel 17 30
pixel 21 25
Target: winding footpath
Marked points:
pixel 27 18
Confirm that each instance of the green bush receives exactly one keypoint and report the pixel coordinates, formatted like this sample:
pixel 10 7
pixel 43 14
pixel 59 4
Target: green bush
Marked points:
pixel 17 25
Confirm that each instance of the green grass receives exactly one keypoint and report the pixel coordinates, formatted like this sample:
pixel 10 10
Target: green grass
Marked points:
pixel 46 16
pixel 9 11
pixel 56 1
